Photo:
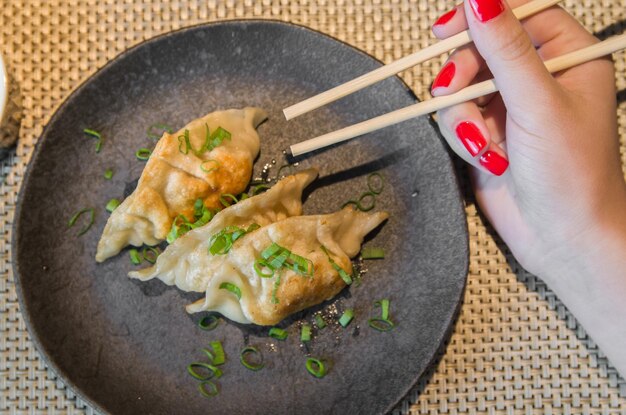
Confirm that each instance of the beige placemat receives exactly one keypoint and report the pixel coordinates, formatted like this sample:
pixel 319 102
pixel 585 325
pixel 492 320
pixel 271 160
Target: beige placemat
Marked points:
pixel 515 348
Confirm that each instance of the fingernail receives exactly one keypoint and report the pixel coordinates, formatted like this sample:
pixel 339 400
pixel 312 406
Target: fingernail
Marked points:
pixel 445 18
pixel 485 10
pixel 494 162
pixel 445 76
pixel 471 137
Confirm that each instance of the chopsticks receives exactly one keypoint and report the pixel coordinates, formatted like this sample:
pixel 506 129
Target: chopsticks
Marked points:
pixel 400 65
pixel 560 63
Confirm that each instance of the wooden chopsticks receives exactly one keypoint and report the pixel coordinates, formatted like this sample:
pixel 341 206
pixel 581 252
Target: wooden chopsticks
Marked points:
pixel 560 63
pixel 400 65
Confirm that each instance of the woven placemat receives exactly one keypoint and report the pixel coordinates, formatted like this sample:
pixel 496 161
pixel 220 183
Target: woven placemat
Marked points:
pixel 515 348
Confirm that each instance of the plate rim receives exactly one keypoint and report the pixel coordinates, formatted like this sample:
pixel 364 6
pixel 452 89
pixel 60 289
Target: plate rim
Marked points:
pixel 17 278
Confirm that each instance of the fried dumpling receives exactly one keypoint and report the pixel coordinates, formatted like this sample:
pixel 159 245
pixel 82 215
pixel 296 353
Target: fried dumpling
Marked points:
pixel 327 241
pixel 176 175
pixel 178 264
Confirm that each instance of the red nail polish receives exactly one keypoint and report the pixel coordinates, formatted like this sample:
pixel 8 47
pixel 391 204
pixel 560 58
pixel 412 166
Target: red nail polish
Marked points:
pixel 494 162
pixel 445 18
pixel 485 10
pixel 471 137
pixel 445 76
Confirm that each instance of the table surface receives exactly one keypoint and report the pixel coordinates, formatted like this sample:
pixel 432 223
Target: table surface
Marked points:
pixel 515 348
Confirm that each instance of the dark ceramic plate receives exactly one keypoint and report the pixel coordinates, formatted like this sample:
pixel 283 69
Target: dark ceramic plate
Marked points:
pixel 123 346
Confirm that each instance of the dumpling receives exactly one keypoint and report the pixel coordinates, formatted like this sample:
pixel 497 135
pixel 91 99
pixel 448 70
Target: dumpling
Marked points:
pixel 327 241
pixel 179 264
pixel 176 176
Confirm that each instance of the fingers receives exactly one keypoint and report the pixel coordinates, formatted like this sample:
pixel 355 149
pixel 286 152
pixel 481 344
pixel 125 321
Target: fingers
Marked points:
pixel 467 133
pixel 450 23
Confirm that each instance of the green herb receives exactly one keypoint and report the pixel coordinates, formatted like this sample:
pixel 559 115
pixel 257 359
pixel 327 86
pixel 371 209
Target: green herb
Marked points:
pixel 150 254
pixel 315 367
pixel 219 357
pixel 112 205
pixel 346 317
pixel 143 154
pixel 97 136
pixel 259 189
pixel 222 242
pixel 211 371
pixel 275 289
pixel 246 352
pixel 373 253
pixel 382 323
pixel 74 218
pixel 342 273
pixel 209 322
pixel 278 333
pixel 376 183
pixel 276 256
pixel 232 288
pixel 319 321
pixel 182 225
pixel 183 140
pixel 135 257
pixel 208 393
pixel 260 265
pixel 159 127
pixel 108 174
pixel 224 199
pixel 210 141
pixel 305 334
pixel 366 202
pixel 208 168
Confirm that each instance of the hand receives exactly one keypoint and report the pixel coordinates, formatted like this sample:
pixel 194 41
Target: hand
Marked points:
pixel 545 151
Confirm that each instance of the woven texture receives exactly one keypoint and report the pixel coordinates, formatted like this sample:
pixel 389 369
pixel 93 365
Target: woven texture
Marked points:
pixel 515 348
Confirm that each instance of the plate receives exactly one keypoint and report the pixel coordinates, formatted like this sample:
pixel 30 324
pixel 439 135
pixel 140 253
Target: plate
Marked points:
pixel 123 345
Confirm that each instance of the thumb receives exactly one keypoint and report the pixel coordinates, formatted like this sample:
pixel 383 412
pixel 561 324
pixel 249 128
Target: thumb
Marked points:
pixel 523 80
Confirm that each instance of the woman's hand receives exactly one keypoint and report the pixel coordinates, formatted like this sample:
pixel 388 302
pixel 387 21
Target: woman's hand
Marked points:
pixel 545 156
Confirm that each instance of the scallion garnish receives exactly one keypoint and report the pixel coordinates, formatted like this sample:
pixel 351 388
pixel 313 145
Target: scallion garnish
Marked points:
pixel 366 201
pixel 375 183
pixel 224 199
pixel 108 174
pixel 260 265
pixel 278 333
pixel 159 127
pixel 112 205
pixel 315 367
pixel 245 353
pixel 135 257
pixel 97 136
pixel 212 371
pixel 276 256
pixel 373 253
pixel 260 188
pixel 221 242
pixel 211 391
pixel 384 307
pixel 382 323
pixel 342 273
pixel 305 334
pixel 208 166
pixel 210 141
pixel 275 289
pixel 319 321
pixel 346 317
pixel 219 357
pixel 75 216
pixel 232 288
pixel 183 140
pixel 143 154
pixel 182 225
pixel 150 254
pixel 209 322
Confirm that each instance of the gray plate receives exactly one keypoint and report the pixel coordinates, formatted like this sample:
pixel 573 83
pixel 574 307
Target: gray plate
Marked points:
pixel 123 346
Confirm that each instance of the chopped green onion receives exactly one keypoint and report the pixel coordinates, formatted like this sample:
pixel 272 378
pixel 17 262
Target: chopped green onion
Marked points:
pixel 74 218
pixel 209 322
pixel 275 289
pixel 277 256
pixel 319 321
pixel 368 206
pixel 251 365
pixel 224 199
pixel 143 154
pixel 380 324
pixel 384 306
pixel 97 136
pixel 180 226
pixel 214 372
pixel 219 357
pixel 346 317
pixel 150 254
pixel 376 183
pixel 278 333
pixel 373 253
pixel 108 174
pixel 315 367
pixel 211 392
pixel 184 139
pixel 216 165
pixel 260 188
pixel 232 288
pixel 221 242
pixel 342 273
pixel 305 334
pixel 259 265
pixel 134 256
pixel 112 205
pixel 158 126
pixel 216 138
pixel 350 202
